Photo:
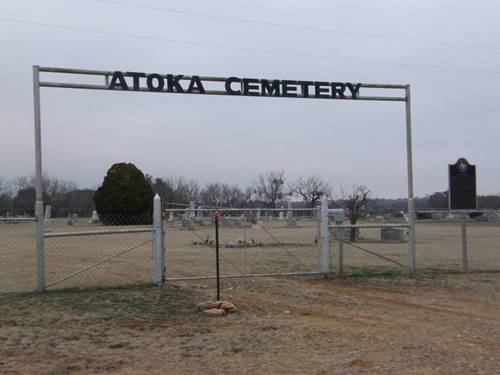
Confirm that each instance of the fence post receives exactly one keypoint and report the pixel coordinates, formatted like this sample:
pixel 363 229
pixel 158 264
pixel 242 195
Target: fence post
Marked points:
pixel 465 260
pixel 40 247
pixel 40 227
pixel 412 262
pixel 158 246
pixel 339 266
pixel 324 264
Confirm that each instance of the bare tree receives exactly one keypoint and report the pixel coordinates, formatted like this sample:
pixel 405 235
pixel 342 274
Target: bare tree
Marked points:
pixel 176 189
pixel 223 195
pixel 269 187
pixel 55 192
pixel 311 189
pixel 4 186
pixel 51 186
pixel 5 196
pixel 355 205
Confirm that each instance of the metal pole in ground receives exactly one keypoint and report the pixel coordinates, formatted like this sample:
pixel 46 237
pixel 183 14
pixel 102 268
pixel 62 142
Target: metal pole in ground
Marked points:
pixel 217 215
pixel 465 260
pixel 412 264
pixel 40 225
pixel 339 269
pixel 324 256
pixel 158 247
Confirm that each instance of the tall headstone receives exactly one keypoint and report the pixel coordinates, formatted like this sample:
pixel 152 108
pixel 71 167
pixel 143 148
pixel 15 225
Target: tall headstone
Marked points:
pixel 94 219
pixel 48 212
pixel 192 208
pixel 171 216
pixel 70 220
pixel 258 214
pixel 187 221
pixel 291 222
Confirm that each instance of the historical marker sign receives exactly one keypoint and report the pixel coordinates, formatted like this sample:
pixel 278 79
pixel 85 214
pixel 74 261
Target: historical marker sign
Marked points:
pixel 462 186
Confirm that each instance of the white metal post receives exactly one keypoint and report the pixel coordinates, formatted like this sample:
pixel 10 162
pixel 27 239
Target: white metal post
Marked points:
pixel 40 225
pixel 412 264
pixel 339 266
pixel 158 248
pixel 465 260
pixel 324 256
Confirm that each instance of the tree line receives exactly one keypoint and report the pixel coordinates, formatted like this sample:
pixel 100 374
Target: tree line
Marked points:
pixel 268 190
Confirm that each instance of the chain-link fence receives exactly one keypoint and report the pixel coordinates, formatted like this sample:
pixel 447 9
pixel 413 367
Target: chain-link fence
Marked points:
pixel 17 254
pixel 114 251
pixel 369 247
pixel 444 241
pixel 459 241
pixel 78 252
pixel 85 252
pixel 252 242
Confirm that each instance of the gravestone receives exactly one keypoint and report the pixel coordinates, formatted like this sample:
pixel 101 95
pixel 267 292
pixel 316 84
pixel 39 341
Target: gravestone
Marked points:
pixel 94 219
pixel 192 208
pixel 48 212
pixel 250 217
pixel 346 233
pixel 291 222
pixel 492 216
pixel 337 214
pixel 281 216
pixel 187 223
pixel 391 235
pixel 437 215
pixel 258 214
pixel 170 216
pixel 70 220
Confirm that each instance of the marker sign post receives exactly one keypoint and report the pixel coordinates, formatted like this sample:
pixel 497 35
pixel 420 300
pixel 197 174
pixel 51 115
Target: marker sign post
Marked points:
pixel 462 197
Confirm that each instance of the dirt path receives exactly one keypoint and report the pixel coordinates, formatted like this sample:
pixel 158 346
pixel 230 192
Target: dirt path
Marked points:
pixel 449 324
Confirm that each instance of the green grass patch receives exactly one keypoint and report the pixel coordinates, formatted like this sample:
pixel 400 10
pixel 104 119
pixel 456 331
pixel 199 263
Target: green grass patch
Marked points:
pixel 144 303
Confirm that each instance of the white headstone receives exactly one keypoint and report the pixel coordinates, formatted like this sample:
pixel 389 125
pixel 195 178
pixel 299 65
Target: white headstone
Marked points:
pixel 290 220
pixel 48 212
pixel 187 221
pixel 192 208
pixel 94 218
pixel 171 216
pixel 281 216
pixel 289 213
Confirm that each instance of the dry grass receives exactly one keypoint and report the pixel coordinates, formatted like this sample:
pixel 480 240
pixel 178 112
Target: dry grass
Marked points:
pixel 279 249
pixel 390 324
pixel 375 320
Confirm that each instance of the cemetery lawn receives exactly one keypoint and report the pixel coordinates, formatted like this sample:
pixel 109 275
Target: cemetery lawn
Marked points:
pixel 436 323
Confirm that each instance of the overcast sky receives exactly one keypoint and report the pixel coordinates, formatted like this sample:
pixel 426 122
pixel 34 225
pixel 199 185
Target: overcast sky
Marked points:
pixel 456 111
